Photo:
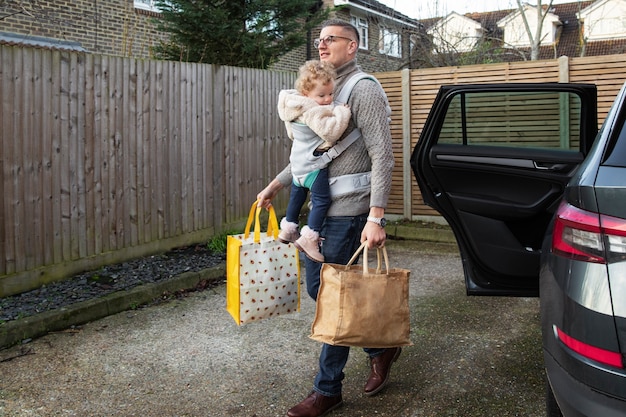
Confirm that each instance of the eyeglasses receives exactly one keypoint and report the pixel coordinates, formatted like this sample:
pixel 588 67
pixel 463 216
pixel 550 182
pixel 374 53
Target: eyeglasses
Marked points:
pixel 328 40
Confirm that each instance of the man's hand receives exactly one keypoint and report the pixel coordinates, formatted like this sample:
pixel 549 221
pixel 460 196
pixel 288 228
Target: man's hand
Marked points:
pixel 265 197
pixel 374 234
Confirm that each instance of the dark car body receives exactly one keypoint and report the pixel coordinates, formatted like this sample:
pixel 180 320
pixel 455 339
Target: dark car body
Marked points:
pixel 536 198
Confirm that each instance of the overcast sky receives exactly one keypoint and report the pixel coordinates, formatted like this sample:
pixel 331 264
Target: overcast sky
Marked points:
pixel 435 8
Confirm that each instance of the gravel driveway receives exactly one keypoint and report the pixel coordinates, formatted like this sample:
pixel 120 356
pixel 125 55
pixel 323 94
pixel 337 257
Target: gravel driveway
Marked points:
pixel 472 356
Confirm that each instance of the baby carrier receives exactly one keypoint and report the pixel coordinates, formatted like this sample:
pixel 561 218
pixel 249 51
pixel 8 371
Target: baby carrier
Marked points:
pixel 345 184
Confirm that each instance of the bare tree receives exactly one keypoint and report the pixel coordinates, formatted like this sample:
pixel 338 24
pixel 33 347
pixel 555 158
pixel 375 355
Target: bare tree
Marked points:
pixel 440 48
pixel 536 37
pixel 9 8
pixel 41 12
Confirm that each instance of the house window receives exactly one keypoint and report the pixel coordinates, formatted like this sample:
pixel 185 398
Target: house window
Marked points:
pixel 147 5
pixel 361 25
pixel 390 43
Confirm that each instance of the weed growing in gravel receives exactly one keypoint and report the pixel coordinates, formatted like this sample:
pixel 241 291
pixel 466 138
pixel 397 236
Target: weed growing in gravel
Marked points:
pixel 217 244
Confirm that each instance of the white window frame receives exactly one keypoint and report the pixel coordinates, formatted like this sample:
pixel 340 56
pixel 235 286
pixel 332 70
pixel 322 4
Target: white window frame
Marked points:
pixel 362 25
pixel 149 5
pixel 390 42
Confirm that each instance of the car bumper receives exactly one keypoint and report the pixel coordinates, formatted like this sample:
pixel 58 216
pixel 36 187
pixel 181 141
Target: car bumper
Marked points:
pixel 579 400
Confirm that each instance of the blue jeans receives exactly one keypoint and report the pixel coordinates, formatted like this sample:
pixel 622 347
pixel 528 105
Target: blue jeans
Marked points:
pixel 342 238
pixel 320 201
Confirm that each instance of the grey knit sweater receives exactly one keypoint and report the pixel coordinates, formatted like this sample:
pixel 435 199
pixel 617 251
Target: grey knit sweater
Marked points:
pixel 373 151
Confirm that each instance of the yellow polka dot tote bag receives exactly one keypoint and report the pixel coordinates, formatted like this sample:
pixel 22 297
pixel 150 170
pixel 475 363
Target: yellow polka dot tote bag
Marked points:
pixel 262 274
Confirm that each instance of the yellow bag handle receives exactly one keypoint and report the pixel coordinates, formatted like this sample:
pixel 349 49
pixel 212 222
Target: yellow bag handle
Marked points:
pixel 272 223
pixel 363 248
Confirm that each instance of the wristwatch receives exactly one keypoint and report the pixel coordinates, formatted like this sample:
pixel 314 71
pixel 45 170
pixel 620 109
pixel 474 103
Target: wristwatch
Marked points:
pixel 381 221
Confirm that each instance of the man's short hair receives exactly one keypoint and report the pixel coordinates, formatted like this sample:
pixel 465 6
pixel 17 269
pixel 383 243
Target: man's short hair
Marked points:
pixel 345 25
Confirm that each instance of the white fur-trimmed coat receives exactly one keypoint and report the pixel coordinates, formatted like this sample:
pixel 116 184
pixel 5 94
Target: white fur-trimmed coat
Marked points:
pixel 327 121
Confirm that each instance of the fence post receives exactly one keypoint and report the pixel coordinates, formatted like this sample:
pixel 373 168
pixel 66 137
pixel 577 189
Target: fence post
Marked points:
pixel 563 62
pixel 406 143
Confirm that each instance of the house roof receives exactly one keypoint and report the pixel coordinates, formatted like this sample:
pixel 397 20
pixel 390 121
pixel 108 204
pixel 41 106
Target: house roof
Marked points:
pixel 455 16
pixel 14 39
pixel 377 7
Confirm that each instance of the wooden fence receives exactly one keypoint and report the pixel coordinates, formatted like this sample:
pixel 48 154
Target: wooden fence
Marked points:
pixel 108 158
pixel 104 159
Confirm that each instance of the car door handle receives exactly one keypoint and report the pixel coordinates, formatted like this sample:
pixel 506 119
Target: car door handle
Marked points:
pixel 549 166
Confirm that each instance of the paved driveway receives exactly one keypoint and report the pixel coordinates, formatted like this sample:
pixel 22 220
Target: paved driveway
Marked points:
pixel 473 356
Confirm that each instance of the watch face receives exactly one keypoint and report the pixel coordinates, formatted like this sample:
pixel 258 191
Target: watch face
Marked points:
pixel 383 222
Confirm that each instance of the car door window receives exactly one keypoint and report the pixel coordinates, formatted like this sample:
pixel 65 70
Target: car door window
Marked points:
pixel 536 119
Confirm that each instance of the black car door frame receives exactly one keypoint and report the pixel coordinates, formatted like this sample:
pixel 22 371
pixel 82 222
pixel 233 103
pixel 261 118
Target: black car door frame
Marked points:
pixel 493 160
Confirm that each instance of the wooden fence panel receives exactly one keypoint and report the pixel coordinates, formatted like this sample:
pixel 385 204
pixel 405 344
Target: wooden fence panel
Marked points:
pixel 606 72
pixel 107 158
pixel 9 219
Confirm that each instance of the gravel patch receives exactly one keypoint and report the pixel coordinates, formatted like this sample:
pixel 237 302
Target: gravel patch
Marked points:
pixel 108 279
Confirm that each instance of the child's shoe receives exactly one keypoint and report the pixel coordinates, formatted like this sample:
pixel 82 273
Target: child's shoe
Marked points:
pixel 288 231
pixel 309 243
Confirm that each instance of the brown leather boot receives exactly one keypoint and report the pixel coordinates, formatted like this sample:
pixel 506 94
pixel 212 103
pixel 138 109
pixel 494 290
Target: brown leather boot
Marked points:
pixel 381 367
pixel 315 405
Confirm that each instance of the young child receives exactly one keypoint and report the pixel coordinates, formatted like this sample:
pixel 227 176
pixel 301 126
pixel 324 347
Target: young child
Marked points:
pixel 314 124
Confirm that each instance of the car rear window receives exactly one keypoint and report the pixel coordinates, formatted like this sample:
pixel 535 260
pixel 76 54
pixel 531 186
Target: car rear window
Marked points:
pixel 537 119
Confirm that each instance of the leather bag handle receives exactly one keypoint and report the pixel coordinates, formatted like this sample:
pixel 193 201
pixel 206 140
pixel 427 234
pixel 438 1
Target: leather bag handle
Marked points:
pixel 363 248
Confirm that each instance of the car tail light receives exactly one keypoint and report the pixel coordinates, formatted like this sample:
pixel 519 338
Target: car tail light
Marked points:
pixel 597 354
pixel 614 230
pixel 587 236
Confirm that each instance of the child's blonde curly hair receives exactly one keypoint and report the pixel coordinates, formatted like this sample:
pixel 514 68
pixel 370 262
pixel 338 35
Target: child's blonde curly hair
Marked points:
pixel 314 72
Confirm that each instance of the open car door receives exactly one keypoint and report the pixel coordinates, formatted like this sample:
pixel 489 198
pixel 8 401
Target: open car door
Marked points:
pixel 493 160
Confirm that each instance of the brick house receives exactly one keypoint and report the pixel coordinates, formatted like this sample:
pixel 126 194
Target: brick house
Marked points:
pixel 112 27
pixel 126 28
pixel 386 36
pixel 390 40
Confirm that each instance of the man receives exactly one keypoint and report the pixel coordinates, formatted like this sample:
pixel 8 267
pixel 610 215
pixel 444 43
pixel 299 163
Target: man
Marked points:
pixel 355 214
